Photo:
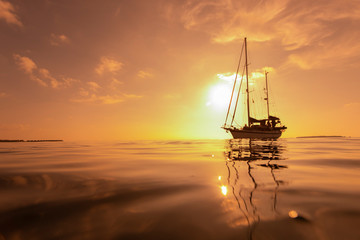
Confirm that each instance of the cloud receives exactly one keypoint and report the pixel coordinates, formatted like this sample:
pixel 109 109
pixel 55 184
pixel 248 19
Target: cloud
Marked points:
pixel 41 75
pixel 105 99
pixel 93 86
pixel 90 93
pixel 57 40
pixel 68 81
pixel 110 99
pixel 115 83
pixel 353 105
pixel 260 73
pixel 131 96
pixel 107 93
pixel 83 92
pixel 38 80
pixel 145 74
pixel 7 12
pixel 25 63
pixel 229 77
pixel 3 95
pixel 46 75
pixel 229 20
pixel 108 65
pixel 312 33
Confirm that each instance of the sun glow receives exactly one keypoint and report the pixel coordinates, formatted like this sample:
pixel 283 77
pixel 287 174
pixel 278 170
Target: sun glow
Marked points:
pixel 219 96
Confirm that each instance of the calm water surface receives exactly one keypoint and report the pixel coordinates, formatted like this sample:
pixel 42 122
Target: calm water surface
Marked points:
pixel 216 189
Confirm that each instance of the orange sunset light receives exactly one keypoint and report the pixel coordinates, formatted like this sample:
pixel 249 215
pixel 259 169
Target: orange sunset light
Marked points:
pixel 111 70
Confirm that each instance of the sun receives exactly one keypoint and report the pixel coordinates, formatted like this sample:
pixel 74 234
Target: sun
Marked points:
pixel 219 96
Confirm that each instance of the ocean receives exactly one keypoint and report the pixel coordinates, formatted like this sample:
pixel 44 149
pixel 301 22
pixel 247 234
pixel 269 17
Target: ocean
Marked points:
pixel 296 188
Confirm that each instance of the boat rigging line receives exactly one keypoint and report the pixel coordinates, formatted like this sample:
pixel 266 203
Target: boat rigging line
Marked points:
pixel 232 93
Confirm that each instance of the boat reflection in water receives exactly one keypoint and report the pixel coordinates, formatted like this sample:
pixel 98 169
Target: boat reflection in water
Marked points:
pixel 254 168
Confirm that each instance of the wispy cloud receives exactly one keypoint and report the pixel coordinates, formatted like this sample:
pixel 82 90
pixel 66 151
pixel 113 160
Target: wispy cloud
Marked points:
pixel 38 80
pixel 7 12
pixel 353 105
pixel 29 66
pixel 258 73
pixel 45 74
pixel 229 20
pixel 93 98
pixel 115 83
pixel 105 99
pixel 228 77
pixel 312 33
pixel 145 74
pixel 110 99
pixel 25 63
pixel 133 96
pixel 108 65
pixel 83 92
pixel 108 93
pixel 57 40
pixel 3 94
pixel 41 75
pixel 93 86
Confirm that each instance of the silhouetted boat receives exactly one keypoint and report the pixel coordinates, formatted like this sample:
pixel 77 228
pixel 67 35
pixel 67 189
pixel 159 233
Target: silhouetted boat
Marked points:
pixel 269 127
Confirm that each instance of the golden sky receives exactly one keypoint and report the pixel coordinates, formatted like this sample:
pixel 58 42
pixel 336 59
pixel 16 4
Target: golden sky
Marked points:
pixel 160 69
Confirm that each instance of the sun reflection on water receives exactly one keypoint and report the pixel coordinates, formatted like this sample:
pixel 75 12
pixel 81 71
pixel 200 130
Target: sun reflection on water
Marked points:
pixel 224 190
pixel 252 184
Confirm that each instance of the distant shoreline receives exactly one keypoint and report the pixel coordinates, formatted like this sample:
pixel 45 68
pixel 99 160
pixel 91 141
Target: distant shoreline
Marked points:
pixel 321 137
pixel 20 140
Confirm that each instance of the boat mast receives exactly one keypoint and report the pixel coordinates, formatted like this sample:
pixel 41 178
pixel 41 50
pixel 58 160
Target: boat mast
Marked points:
pixel 267 94
pixel 232 93
pixel 247 83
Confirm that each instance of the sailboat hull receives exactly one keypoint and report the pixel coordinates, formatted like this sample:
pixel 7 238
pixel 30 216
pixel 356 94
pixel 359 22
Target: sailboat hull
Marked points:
pixel 240 133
